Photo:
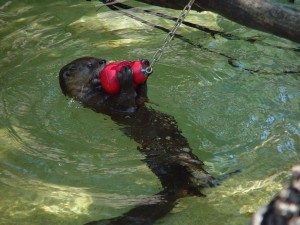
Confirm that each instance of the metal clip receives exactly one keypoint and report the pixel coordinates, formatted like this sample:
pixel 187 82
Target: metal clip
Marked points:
pixel 147 71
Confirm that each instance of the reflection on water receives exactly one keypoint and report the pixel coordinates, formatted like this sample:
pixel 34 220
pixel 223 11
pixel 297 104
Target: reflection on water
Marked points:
pixel 236 101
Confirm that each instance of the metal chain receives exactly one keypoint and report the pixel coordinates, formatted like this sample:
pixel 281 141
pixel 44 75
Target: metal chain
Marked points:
pixel 170 35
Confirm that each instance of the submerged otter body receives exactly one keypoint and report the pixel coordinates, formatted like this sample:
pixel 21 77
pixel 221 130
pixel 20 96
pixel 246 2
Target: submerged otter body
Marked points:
pixel 167 151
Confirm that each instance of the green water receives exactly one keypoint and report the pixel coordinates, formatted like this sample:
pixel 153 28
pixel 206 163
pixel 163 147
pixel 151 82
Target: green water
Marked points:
pixel 63 164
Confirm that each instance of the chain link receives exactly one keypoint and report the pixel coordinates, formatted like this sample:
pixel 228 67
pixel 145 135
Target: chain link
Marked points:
pixel 170 35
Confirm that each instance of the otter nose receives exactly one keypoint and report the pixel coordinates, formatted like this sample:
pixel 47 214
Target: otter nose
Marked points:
pixel 102 62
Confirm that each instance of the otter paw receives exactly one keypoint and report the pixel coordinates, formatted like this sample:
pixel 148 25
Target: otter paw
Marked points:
pixel 125 77
pixel 146 62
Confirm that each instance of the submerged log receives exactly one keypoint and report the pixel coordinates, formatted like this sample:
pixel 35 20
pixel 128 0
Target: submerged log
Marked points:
pixel 263 15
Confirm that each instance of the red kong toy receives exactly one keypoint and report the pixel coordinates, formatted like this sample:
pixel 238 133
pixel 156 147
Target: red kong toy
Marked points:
pixel 108 76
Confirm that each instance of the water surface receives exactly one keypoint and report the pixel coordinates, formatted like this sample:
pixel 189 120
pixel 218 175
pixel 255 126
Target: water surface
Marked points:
pixel 237 102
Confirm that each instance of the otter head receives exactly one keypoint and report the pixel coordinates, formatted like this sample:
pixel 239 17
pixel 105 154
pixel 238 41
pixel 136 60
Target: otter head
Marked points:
pixel 80 76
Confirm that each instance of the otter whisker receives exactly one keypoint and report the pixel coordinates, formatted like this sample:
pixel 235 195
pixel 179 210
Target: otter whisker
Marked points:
pixel 81 94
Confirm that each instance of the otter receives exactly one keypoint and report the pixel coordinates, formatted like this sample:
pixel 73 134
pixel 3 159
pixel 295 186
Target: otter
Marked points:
pixel 167 152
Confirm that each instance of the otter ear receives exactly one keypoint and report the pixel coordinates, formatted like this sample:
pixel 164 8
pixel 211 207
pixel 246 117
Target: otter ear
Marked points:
pixel 66 74
pixel 66 71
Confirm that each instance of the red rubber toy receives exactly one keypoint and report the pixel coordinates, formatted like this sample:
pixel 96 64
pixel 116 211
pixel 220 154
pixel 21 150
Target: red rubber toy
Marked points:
pixel 108 76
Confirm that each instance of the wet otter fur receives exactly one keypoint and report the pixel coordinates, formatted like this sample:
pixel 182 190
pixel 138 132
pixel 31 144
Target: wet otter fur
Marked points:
pixel 167 151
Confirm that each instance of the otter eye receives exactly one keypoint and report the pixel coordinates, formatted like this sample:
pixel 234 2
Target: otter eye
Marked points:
pixel 101 62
